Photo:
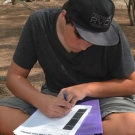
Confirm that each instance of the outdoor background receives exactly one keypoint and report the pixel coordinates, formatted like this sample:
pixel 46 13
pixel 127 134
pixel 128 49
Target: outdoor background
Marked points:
pixel 12 20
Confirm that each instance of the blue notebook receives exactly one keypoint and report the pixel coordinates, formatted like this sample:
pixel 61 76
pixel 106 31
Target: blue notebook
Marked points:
pixel 92 124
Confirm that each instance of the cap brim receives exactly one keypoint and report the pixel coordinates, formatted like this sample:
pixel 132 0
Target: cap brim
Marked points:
pixel 108 38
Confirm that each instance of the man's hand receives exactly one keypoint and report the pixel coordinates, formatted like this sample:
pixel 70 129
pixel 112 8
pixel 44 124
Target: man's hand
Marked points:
pixel 53 106
pixel 74 93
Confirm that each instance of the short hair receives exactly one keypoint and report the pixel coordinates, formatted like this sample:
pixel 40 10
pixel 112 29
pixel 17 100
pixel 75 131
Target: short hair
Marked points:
pixel 69 21
pixel 67 17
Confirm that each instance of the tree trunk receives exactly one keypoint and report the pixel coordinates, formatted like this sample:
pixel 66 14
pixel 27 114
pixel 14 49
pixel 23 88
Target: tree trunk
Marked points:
pixel 131 11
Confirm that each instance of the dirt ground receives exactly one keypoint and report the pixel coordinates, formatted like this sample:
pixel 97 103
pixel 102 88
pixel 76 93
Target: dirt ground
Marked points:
pixel 12 20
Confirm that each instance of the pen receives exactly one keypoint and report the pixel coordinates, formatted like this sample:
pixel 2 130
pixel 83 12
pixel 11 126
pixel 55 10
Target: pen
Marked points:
pixel 65 95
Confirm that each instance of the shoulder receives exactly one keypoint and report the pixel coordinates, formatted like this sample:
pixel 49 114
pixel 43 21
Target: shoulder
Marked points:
pixel 45 13
pixel 117 27
pixel 123 40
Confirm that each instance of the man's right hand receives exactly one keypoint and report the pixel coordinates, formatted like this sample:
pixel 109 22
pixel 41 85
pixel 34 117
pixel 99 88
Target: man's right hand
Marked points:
pixel 53 106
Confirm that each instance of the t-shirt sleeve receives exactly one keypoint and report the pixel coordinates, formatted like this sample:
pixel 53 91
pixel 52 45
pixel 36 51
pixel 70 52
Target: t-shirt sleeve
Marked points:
pixel 24 55
pixel 120 59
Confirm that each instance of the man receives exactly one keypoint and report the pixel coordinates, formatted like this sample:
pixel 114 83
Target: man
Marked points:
pixel 84 53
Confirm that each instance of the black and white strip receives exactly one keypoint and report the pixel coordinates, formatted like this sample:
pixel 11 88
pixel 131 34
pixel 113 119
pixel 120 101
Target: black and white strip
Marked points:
pixel 70 125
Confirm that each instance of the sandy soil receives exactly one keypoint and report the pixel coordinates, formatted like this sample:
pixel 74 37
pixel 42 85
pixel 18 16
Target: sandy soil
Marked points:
pixel 12 20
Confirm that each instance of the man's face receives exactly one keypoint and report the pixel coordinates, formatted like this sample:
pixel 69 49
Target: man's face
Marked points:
pixel 73 40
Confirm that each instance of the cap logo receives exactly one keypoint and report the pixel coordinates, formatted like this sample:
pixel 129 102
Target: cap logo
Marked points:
pixel 99 21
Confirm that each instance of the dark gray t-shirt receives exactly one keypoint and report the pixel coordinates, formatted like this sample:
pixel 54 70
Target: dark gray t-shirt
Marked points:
pixel 39 42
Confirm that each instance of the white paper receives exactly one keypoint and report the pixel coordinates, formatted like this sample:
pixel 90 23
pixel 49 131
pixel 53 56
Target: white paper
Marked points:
pixel 39 124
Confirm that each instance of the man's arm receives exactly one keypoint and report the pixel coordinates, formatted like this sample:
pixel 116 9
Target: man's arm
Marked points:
pixel 110 88
pixel 113 87
pixel 19 85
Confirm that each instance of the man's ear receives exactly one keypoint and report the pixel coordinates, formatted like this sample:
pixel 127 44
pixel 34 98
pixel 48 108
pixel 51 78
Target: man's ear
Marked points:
pixel 63 14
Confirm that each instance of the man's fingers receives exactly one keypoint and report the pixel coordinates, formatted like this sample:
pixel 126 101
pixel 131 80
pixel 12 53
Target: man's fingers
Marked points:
pixel 64 103
pixel 73 101
pixel 58 111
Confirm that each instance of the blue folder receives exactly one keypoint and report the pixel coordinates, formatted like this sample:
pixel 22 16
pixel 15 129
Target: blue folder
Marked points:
pixel 92 124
